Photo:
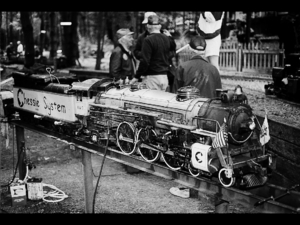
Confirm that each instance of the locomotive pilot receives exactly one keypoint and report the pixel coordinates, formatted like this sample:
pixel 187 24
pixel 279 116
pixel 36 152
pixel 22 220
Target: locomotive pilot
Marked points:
pixel 198 72
pixel 122 65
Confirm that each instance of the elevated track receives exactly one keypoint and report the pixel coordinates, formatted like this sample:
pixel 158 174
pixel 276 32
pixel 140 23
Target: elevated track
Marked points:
pixel 266 199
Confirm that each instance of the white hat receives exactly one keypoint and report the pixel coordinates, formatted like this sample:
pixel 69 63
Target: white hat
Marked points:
pixel 18 42
pixel 147 14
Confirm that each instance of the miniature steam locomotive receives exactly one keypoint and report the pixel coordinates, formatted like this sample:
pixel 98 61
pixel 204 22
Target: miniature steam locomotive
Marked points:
pixel 176 129
pixel 286 80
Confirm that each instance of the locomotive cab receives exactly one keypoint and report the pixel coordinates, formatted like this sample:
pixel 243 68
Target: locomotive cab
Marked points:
pixel 86 92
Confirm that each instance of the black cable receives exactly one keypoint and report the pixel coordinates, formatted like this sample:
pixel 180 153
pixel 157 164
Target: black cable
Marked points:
pixel 105 151
pixel 13 140
pixel 14 175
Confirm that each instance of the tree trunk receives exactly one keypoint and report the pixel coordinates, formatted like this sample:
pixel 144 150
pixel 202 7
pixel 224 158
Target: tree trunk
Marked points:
pixel 53 35
pixel 114 27
pixel 28 39
pixel 109 26
pixel 248 26
pixel 11 27
pixel 137 20
pixel 7 24
pixel 88 29
pixel 74 51
pixel 100 39
pixel 42 35
pixel 70 38
pixel 224 26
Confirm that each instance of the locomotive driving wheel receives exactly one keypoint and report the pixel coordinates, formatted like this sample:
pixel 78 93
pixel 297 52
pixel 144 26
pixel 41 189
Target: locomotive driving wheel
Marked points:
pixel 171 157
pixel 171 160
pixel 193 171
pixel 146 153
pixel 225 179
pixel 125 138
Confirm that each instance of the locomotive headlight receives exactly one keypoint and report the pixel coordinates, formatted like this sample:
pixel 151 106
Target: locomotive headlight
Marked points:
pixel 252 124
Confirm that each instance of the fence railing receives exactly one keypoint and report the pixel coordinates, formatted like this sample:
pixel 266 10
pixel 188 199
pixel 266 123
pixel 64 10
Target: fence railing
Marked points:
pixel 253 58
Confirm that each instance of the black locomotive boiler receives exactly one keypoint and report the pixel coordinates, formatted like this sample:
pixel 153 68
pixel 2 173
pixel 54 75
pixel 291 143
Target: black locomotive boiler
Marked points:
pixel 176 129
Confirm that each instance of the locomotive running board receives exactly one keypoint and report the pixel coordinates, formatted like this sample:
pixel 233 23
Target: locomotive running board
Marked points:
pixel 247 198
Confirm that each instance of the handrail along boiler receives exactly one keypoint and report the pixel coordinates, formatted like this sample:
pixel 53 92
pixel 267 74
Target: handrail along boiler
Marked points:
pixel 177 129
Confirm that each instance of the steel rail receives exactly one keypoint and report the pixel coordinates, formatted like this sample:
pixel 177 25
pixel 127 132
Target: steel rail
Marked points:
pixel 208 186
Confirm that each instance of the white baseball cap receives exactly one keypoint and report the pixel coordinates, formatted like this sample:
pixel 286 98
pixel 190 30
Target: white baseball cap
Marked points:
pixel 147 14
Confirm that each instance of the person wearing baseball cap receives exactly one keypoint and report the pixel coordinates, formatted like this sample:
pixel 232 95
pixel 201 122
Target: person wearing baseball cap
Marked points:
pixel 155 63
pixel 197 71
pixel 122 63
pixel 138 47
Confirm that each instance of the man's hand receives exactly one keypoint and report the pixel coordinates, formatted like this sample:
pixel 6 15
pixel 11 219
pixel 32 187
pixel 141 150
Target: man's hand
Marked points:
pixel 134 80
pixel 166 32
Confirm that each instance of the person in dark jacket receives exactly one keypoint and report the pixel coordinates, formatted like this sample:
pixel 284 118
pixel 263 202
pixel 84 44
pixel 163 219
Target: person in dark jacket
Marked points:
pixel 155 62
pixel 198 72
pixel 9 50
pixel 138 47
pixel 122 63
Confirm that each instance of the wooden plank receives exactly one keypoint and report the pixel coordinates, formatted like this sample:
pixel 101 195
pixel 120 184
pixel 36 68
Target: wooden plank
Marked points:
pixel 256 60
pixel 288 169
pixel 252 59
pixel 239 59
pixel 234 60
pixel 260 60
pixel 226 59
pixel 285 149
pixel 245 62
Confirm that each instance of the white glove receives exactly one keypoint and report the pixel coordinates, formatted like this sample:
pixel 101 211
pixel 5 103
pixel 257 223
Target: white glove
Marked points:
pixel 209 17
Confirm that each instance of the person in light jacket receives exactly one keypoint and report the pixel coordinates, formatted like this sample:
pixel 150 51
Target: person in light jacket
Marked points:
pixel 209 27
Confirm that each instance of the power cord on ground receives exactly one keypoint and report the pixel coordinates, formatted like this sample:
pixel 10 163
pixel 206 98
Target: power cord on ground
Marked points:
pixel 58 194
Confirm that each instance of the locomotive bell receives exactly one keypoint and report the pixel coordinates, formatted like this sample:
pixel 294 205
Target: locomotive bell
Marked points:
pixel 186 93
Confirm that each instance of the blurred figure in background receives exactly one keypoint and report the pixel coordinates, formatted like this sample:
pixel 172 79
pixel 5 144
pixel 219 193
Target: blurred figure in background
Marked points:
pixel 20 49
pixel 37 53
pixel 9 50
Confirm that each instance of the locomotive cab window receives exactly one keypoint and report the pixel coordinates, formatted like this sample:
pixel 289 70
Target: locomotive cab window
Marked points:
pixel 79 96
pixel 91 94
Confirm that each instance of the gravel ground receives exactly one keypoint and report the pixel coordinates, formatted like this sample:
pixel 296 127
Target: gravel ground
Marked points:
pixel 277 109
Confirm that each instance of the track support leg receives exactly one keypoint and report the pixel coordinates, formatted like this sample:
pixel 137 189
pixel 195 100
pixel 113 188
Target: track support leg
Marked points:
pixel 88 180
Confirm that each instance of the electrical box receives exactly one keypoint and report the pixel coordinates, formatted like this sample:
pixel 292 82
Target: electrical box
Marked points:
pixel 35 188
pixel 18 194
